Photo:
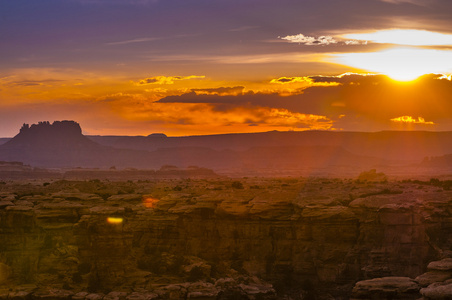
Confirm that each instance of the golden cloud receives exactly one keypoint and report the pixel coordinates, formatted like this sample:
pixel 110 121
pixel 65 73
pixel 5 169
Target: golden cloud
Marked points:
pixel 167 79
pixel 303 79
pixel 284 117
pixel 286 80
pixel 221 91
pixel 411 120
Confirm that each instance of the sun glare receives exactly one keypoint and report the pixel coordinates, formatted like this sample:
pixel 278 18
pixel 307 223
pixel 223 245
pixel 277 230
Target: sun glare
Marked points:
pixel 402 64
pixel 113 220
pixel 404 37
pixel 150 202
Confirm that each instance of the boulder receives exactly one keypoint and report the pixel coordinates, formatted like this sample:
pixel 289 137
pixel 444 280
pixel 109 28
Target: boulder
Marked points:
pixel 94 296
pixel 116 296
pixel 386 288
pixel 430 277
pixel 52 294
pixel 441 265
pixel 80 296
pixel 202 290
pixel 20 295
pixel 142 296
pixel 5 203
pixel 437 291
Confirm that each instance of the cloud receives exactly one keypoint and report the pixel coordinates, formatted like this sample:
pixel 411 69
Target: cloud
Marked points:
pixel 355 42
pixel 284 117
pixel 286 80
pixel 309 40
pixel 150 39
pixel 415 2
pixel 221 91
pixel 321 40
pixel 240 59
pixel 447 77
pixel 410 119
pixel 348 78
pixel 243 28
pixel 44 82
pixel 123 96
pixel 167 79
pixel 308 80
pixel 138 40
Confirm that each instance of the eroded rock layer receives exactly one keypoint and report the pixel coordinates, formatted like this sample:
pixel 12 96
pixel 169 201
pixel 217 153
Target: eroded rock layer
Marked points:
pixel 219 239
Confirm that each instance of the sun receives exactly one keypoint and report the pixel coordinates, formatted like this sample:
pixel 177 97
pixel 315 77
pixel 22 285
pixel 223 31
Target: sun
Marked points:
pixel 402 64
pixel 401 75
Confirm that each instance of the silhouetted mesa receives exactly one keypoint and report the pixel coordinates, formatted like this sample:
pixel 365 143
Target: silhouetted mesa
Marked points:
pixel 59 144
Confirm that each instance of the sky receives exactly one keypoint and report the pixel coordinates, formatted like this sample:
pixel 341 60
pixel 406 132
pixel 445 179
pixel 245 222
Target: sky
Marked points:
pixel 195 67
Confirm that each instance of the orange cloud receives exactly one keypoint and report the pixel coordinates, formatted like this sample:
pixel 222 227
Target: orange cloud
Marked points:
pixel 167 79
pixel 410 119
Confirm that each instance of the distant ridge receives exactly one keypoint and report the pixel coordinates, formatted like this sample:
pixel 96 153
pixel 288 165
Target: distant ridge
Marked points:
pixel 408 146
pixel 61 144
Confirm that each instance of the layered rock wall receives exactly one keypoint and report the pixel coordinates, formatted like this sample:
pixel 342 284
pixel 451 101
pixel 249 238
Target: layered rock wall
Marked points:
pixel 312 237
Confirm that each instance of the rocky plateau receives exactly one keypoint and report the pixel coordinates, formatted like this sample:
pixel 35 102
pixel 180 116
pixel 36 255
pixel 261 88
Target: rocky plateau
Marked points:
pixel 252 238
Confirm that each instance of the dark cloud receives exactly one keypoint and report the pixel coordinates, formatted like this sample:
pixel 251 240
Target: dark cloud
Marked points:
pixel 351 78
pixel 285 79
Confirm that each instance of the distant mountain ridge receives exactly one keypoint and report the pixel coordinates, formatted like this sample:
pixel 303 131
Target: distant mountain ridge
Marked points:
pixel 61 144
pixel 408 146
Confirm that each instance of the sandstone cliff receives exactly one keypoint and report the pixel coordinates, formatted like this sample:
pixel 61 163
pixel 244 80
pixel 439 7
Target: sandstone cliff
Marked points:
pixel 262 239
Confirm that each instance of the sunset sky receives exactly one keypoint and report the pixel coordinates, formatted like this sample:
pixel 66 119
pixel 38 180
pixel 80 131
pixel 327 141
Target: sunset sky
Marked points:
pixel 190 67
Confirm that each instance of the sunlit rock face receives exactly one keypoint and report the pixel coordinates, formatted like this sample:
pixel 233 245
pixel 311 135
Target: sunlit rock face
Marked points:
pixel 263 238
